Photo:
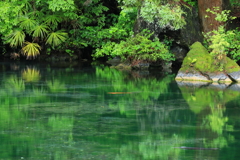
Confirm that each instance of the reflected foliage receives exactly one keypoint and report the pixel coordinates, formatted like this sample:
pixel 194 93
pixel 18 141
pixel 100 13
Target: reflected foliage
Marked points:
pixel 210 103
pixel 31 75
pixel 73 114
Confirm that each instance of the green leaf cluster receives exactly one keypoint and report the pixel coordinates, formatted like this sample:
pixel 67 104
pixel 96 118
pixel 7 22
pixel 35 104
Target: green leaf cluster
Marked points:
pixel 138 47
pixel 166 16
pixel 25 25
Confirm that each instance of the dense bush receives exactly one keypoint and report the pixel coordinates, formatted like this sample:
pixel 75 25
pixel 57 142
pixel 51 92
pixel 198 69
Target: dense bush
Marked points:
pixel 138 47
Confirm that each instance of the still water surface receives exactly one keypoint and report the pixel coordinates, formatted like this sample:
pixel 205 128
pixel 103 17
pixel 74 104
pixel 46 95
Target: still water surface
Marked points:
pixel 98 113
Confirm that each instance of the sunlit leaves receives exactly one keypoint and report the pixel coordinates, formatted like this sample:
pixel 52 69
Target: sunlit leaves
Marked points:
pixel 31 50
pixel 56 38
pixel 166 15
pixel 8 17
pixel 16 38
pixel 57 5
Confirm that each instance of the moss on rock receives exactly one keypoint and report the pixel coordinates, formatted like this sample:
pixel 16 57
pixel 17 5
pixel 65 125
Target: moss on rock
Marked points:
pixel 231 66
pixel 199 62
pixel 198 59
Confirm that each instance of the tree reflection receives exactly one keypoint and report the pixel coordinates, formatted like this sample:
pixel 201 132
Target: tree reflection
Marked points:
pixel 209 105
pixel 151 147
pixel 72 115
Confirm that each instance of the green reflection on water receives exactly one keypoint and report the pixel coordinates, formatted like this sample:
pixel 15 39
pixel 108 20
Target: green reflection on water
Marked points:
pixel 102 113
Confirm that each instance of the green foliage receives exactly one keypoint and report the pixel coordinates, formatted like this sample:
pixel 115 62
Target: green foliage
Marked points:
pixel 16 38
pixel 97 36
pixel 191 2
pixel 57 5
pixel 233 38
pixel 218 43
pixel 72 24
pixel 40 31
pixel 223 16
pixel 52 21
pixel 56 38
pixel 138 47
pixel 167 16
pixel 70 52
pixel 27 23
pixel 235 2
pixel 221 42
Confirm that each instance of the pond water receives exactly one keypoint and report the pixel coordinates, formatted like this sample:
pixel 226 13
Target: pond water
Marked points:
pixel 86 112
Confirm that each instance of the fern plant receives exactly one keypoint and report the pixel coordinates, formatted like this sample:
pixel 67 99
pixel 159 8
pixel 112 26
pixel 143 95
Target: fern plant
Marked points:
pixel 56 38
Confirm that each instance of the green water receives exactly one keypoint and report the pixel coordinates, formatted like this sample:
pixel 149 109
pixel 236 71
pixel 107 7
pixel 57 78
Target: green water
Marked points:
pixel 78 113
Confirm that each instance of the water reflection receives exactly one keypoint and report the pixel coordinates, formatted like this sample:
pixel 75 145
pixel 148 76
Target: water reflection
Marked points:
pixel 31 74
pixel 101 113
pixel 209 103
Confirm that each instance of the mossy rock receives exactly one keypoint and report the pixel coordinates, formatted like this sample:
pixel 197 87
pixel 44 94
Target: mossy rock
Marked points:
pixel 231 66
pixel 198 60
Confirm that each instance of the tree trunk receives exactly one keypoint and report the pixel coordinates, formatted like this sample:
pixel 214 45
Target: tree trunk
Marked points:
pixel 209 24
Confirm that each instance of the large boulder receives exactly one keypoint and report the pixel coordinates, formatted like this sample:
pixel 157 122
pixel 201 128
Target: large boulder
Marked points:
pixel 199 65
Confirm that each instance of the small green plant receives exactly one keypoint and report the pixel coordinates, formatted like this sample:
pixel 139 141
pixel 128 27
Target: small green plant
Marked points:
pixel 192 61
pixel 138 47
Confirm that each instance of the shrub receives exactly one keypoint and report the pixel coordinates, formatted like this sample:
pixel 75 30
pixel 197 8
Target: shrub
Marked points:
pixel 138 47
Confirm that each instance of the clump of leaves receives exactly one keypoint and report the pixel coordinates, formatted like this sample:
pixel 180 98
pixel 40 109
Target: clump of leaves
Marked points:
pixel 31 50
pixel 166 16
pixel 139 47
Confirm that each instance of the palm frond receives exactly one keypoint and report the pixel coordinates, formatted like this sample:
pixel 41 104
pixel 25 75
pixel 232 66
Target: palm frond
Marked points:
pixel 31 50
pixel 25 7
pixel 27 23
pixel 56 38
pixel 16 38
pixel 40 31
pixel 52 20
pixel 37 13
